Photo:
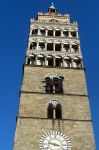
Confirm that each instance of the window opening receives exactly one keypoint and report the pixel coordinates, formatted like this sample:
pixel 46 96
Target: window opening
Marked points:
pixel 35 32
pixel 42 31
pixel 73 33
pixel 33 45
pixel 54 85
pixel 41 45
pixel 50 32
pixel 75 47
pixel 31 61
pixel 58 62
pixel 66 47
pixel 50 61
pixel 58 47
pixel 54 110
pixel 66 33
pixel 50 46
pixel 57 33
pixel 50 111
pixel 58 111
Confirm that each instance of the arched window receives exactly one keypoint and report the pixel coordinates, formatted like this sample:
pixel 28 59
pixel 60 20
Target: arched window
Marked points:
pixel 77 63
pixel 58 111
pixel 34 31
pixel 31 60
pixel 33 45
pixel 54 84
pixel 54 109
pixel 50 111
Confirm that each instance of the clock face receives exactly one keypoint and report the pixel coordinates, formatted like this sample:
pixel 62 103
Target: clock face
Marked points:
pixel 54 140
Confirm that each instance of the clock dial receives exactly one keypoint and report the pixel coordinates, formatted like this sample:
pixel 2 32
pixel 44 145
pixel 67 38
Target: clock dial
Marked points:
pixel 54 140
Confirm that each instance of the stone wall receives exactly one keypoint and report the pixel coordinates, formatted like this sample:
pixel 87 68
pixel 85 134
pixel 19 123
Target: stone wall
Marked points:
pixel 35 105
pixel 30 131
pixel 74 79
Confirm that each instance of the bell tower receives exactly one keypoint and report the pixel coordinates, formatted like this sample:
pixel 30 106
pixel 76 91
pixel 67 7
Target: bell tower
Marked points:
pixel 54 112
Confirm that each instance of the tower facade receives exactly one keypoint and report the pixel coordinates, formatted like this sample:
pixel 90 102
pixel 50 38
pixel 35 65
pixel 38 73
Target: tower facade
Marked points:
pixel 54 112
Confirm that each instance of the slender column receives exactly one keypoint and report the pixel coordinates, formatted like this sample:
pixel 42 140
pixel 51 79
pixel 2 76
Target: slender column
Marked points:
pixel 78 47
pixel 45 46
pixel 77 34
pixel 26 60
pixel 53 46
pixel 82 65
pixel 61 33
pixel 46 32
pixel 53 32
pixel 37 45
pixel 30 31
pixel 36 60
pixel 38 31
pixel 70 47
pixel 53 113
pixel 69 34
pixel 54 61
pixel 45 61
pixel 72 62
pixel 63 62
pixel 62 47
pixel 29 45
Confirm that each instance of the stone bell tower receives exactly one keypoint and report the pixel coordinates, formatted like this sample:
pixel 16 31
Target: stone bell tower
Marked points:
pixel 54 111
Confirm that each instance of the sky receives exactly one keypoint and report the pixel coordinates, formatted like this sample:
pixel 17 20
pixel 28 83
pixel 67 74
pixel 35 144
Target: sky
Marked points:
pixel 15 16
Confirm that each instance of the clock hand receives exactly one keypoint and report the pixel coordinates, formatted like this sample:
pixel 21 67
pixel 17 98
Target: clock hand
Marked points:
pixel 54 144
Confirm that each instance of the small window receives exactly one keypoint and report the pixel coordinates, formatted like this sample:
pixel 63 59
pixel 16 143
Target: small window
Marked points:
pixel 77 63
pixel 58 62
pixel 50 46
pixel 58 47
pixel 66 47
pixel 50 111
pixel 50 32
pixel 75 47
pixel 31 61
pixel 57 33
pixel 65 33
pixel 42 31
pixel 54 85
pixel 35 32
pixel 73 33
pixel 42 45
pixel 33 45
pixel 54 110
pixel 50 61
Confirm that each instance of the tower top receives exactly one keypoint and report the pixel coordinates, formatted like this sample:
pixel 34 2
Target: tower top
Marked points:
pixel 52 9
pixel 52 6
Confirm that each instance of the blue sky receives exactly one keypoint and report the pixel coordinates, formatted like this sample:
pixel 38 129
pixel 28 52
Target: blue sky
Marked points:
pixel 14 29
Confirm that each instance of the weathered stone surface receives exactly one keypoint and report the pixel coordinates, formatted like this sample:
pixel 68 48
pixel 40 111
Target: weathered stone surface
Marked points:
pixel 74 79
pixel 35 105
pixel 30 131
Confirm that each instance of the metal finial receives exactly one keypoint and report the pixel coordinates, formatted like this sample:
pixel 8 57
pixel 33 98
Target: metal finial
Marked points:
pixel 52 4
